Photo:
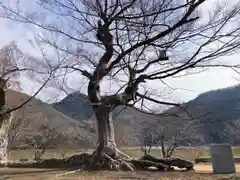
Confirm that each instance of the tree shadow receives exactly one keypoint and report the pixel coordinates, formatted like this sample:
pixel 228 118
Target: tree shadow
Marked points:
pixel 13 171
pixel 44 164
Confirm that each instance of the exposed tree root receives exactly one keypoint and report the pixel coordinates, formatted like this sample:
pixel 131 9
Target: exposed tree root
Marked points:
pixel 68 173
pixel 124 163
pixel 110 160
pixel 145 164
pixel 104 161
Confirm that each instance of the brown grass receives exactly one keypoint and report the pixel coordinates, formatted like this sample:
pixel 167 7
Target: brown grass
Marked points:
pixel 185 153
pixel 202 171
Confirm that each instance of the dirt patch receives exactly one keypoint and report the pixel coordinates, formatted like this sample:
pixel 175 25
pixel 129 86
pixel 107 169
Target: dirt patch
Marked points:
pixel 207 168
pixel 202 172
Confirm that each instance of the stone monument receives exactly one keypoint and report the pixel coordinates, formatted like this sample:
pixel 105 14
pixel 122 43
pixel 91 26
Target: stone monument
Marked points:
pixel 222 159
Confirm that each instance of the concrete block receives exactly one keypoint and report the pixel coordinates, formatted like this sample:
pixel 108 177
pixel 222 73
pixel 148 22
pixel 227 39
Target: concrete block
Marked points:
pixel 222 159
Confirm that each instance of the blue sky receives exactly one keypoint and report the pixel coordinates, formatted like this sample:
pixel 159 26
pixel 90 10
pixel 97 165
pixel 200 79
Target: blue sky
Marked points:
pixel 184 88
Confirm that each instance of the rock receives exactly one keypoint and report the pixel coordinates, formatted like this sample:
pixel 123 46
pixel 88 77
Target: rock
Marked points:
pixel 180 163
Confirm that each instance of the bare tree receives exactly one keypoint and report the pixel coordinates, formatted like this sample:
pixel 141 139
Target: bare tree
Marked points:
pixel 131 43
pixel 148 138
pixel 40 142
pixel 157 135
pixel 12 61
pixel 9 77
pixel 10 69
pixel 168 145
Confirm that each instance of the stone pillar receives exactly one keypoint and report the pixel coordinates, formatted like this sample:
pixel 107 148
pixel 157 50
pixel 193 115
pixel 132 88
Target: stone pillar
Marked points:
pixel 222 159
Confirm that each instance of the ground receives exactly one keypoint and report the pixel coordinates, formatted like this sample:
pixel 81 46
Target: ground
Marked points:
pixel 201 171
pixel 33 174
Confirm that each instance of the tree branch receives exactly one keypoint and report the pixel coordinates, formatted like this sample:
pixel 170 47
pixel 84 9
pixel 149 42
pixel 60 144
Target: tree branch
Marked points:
pixel 157 101
pixel 181 22
pixel 84 72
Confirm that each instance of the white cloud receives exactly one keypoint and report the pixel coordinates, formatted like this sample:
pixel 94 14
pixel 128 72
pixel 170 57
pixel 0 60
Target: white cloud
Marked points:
pixel 196 84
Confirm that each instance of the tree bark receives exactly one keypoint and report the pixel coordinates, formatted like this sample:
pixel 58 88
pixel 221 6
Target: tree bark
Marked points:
pixel 2 94
pixel 106 137
pixel 104 105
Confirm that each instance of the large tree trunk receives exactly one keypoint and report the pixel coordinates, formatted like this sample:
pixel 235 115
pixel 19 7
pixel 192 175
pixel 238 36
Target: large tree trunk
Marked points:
pixel 106 137
pixel 106 154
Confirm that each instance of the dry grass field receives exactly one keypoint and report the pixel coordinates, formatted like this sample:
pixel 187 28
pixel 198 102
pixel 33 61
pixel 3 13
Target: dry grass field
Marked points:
pixel 201 171
pixel 185 153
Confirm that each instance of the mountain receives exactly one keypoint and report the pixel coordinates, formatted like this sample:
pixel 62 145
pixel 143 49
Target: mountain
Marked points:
pixel 31 119
pixel 212 117
pixel 131 125
pixel 216 115
pixel 128 121
pixel 76 106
